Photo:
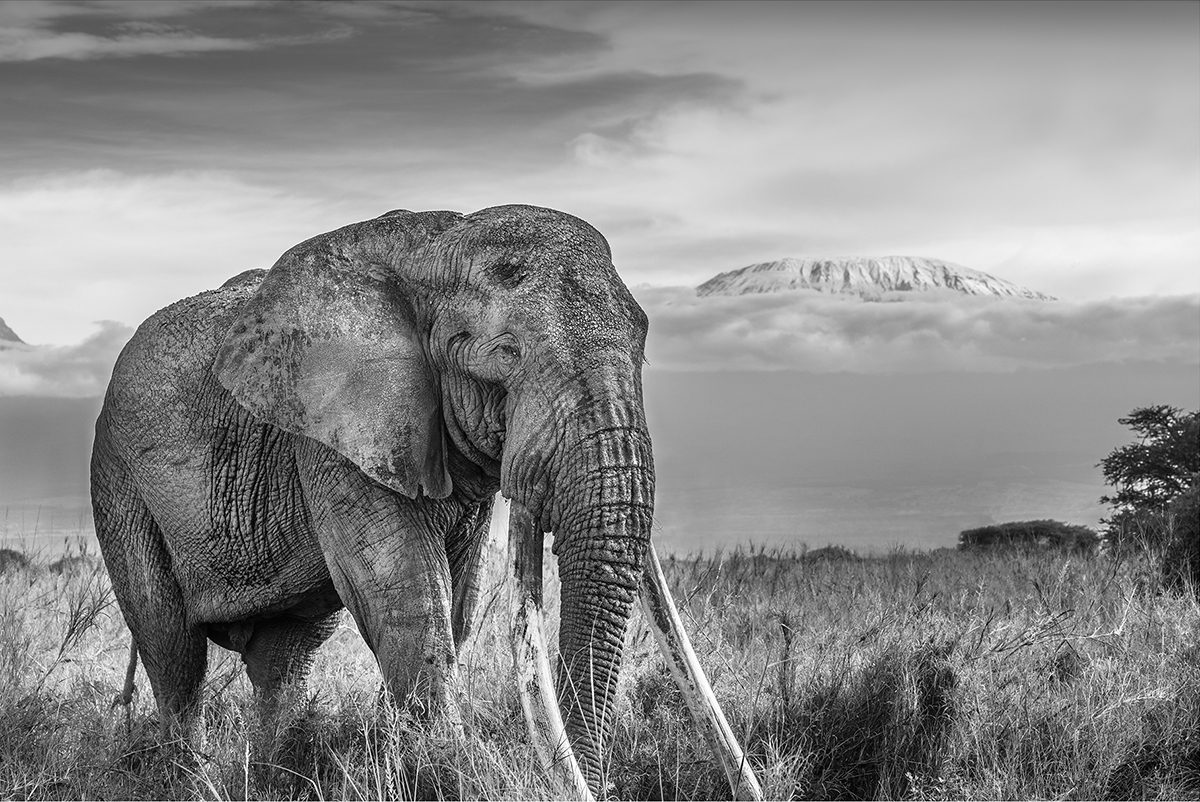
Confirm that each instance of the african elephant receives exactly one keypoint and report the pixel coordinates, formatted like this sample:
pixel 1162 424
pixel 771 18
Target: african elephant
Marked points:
pixel 333 432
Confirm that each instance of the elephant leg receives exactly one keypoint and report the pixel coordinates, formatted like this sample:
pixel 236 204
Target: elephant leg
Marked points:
pixel 404 615
pixel 466 549
pixel 280 651
pixel 278 654
pixel 387 558
pixel 174 651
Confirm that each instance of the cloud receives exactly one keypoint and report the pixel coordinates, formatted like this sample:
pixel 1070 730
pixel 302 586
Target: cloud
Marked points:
pixel 803 331
pixel 100 244
pixel 33 44
pixel 1058 150
pixel 68 371
pixel 431 97
pixel 35 31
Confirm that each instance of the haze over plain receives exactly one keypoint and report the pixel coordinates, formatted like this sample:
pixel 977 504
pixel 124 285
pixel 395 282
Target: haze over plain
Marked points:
pixel 156 149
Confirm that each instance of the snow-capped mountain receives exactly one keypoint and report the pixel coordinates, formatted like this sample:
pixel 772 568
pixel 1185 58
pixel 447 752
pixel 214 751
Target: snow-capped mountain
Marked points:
pixel 7 335
pixel 867 277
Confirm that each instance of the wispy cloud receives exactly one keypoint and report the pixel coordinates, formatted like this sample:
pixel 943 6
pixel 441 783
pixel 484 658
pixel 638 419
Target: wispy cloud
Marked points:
pixel 101 244
pixel 52 30
pixel 806 331
pixel 67 371
pixel 33 44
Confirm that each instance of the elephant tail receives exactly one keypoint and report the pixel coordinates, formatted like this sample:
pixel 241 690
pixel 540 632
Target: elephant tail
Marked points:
pixel 125 697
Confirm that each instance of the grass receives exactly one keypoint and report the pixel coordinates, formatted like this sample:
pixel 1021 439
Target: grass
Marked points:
pixel 938 675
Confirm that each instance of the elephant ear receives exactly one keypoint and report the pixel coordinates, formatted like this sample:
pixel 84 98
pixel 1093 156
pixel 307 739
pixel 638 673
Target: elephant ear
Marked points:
pixel 330 346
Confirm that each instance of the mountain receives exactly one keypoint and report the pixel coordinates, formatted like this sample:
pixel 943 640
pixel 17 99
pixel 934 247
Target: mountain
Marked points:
pixel 866 277
pixel 7 334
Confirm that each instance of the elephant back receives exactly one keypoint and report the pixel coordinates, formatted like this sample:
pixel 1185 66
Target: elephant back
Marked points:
pixel 174 348
pixel 252 277
pixel 163 396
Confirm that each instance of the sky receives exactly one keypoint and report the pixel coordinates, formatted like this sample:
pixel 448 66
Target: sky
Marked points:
pixel 153 149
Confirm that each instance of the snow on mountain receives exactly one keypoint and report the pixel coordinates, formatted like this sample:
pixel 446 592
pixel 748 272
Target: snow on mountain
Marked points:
pixel 867 277
pixel 7 335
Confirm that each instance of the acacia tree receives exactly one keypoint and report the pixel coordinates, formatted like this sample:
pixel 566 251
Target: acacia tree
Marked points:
pixel 1156 505
pixel 1164 462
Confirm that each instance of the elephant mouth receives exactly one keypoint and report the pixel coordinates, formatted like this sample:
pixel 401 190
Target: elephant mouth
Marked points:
pixel 479 438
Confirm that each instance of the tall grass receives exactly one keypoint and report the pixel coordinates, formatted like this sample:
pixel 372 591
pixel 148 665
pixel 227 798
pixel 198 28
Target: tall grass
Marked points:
pixel 913 675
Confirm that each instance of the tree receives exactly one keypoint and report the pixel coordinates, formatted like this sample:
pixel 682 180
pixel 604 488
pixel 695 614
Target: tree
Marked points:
pixel 1156 506
pixel 1160 466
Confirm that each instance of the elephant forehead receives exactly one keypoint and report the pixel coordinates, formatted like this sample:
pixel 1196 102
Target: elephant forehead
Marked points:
pixel 535 230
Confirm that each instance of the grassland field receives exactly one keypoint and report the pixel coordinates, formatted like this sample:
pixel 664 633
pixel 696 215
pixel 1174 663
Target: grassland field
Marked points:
pixel 941 675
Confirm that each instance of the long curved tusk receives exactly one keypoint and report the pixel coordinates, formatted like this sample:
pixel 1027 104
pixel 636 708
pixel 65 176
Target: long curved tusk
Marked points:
pixel 531 658
pixel 677 649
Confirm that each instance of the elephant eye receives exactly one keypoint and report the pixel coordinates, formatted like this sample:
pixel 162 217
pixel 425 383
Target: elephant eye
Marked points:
pixel 507 274
pixel 508 352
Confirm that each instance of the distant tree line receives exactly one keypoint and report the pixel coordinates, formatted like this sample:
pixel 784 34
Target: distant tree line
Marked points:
pixel 1044 534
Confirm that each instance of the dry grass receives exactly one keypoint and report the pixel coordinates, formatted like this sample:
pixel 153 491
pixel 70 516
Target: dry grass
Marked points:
pixel 918 676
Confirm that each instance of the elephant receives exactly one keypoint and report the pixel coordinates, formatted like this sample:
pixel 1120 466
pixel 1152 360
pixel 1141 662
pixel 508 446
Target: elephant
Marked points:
pixel 332 433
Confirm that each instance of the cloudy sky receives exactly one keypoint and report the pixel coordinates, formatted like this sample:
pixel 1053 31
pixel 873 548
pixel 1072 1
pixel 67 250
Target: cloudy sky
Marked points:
pixel 153 149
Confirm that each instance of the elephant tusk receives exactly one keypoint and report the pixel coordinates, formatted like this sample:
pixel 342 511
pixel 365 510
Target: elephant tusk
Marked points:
pixel 677 649
pixel 531 658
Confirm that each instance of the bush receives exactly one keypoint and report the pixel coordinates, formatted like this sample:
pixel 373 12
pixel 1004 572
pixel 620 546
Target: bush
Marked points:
pixel 12 560
pixel 1030 535
pixel 832 553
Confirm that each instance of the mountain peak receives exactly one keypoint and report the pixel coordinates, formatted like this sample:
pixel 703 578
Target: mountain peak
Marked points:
pixel 7 334
pixel 866 277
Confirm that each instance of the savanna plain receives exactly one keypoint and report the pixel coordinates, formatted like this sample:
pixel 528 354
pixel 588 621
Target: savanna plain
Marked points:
pixel 933 675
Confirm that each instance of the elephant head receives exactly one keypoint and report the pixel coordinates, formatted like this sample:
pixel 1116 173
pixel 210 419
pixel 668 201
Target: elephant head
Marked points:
pixel 435 350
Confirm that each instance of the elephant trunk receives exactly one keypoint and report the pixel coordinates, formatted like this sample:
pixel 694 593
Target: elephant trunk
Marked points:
pixel 601 543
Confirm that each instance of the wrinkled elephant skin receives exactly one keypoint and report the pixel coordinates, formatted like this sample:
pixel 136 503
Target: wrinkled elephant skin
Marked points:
pixel 332 432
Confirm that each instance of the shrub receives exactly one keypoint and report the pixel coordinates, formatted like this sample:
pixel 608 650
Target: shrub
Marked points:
pixel 77 563
pixel 1030 535
pixel 12 560
pixel 832 553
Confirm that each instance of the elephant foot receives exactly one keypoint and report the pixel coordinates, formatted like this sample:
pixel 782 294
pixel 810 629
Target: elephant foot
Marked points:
pixel 186 734
pixel 424 708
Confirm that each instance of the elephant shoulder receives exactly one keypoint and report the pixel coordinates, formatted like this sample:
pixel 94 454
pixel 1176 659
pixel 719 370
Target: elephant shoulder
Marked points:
pixel 166 368
pixel 190 329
